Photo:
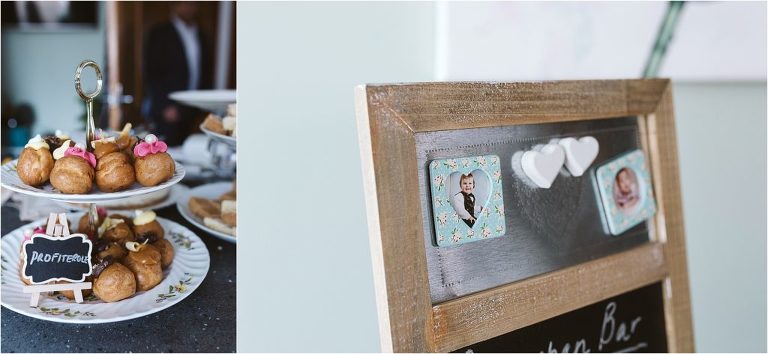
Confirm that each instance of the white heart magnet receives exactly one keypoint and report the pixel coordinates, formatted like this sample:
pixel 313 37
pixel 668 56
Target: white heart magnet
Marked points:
pixel 542 166
pixel 579 154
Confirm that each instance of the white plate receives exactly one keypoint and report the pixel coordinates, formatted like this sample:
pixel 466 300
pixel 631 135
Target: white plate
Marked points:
pixel 215 101
pixel 174 193
pixel 189 268
pixel 210 191
pixel 10 179
pixel 224 139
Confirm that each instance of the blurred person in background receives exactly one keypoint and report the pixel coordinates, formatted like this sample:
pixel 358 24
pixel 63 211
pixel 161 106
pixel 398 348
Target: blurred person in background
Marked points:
pixel 177 58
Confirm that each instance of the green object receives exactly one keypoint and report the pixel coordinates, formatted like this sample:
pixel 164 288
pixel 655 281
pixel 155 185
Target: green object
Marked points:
pixel 663 38
pixel 19 136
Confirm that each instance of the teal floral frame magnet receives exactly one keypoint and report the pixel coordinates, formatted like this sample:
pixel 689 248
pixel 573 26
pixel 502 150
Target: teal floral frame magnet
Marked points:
pixel 467 199
pixel 626 193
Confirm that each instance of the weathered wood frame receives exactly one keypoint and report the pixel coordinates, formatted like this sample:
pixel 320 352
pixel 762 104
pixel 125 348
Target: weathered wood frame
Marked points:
pixel 389 116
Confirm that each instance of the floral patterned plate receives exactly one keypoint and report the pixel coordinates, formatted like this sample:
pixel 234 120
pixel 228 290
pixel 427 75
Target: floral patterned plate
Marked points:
pixel 189 268
pixel 210 191
pixel 10 179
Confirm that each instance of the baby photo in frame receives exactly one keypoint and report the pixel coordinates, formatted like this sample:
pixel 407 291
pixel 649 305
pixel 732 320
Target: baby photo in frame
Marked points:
pixel 626 193
pixel 467 199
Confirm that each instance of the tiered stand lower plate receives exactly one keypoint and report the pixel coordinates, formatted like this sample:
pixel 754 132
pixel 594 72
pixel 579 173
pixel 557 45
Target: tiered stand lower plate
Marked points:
pixel 189 268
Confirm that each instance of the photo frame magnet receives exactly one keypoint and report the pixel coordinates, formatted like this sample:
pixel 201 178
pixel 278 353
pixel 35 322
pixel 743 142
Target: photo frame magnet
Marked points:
pixel 625 192
pixel 467 199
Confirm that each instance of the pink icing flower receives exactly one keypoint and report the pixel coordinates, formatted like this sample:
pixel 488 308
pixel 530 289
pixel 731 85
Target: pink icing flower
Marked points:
pixel 28 233
pixel 150 145
pixel 102 212
pixel 78 151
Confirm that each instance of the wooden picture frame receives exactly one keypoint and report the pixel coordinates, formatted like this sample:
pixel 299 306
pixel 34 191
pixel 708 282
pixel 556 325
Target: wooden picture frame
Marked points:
pixel 389 116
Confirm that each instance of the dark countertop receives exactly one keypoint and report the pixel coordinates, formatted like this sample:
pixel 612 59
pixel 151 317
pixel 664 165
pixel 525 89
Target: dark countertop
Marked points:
pixel 203 322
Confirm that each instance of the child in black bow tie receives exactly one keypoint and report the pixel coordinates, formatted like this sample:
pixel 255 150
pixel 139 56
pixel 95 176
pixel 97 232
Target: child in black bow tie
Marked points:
pixel 464 201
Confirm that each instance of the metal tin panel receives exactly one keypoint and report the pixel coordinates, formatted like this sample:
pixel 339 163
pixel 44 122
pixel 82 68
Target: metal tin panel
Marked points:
pixel 547 229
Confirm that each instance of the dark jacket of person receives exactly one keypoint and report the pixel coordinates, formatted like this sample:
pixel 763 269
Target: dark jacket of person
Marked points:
pixel 166 69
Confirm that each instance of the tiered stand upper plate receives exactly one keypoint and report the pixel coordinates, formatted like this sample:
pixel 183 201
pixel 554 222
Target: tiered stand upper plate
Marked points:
pixel 224 139
pixel 175 193
pixel 215 101
pixel 10 179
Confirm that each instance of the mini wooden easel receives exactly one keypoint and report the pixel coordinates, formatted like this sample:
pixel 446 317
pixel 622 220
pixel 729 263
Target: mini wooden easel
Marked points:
pixel 57 229
pixel 57 226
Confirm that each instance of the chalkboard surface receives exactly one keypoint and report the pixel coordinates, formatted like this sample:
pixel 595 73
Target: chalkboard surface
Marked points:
pixel 631 322
pixel 57 258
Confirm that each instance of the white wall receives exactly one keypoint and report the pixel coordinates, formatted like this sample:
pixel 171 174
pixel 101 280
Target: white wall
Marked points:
pixel 598 40
pixel 39 69
pixel 304 269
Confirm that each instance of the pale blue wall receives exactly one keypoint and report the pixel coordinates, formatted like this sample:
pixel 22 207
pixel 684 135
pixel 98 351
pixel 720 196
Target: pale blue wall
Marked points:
pixel 304 275
pixel 721 132
pixel 39 68
pixel 305 280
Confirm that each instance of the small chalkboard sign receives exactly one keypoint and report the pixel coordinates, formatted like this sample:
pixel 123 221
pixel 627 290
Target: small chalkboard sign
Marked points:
pixel 57 258
pixel 631 322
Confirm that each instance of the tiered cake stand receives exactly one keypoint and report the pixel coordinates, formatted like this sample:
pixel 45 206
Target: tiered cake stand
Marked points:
pixel 215 101
pixel 189 268
pixel 220 138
